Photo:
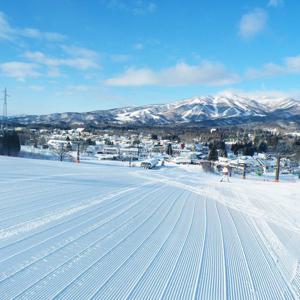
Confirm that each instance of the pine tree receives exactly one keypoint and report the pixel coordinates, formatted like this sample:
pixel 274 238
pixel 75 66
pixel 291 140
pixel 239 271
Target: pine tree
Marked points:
pixel 223 153
pixel 170 150
pixel 10 144
pixel 213 154
pixel 262 147
pixel 248 150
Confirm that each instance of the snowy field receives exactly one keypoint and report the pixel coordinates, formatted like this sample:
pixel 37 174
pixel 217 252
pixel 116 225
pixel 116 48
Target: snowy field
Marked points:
pixel 106 231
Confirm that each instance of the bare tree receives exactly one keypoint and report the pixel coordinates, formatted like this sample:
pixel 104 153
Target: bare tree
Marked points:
pixel 62 151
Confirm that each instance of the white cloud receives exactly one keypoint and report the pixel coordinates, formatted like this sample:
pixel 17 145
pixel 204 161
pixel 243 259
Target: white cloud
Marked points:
pixel 143 7
pixel 75 51
pixel 19 70
pixel 39 64
pixel 138 46
pixel 136 7
pixel 206 73
pixel 72 90
pixel 119 58
pixel 37 88
pixel 293 64
pixel 81 63
pixel 275 3
pixel 37 34
pixel 290 65
pixel 133 77
pixel 253 23
pixel 81 88
pixel 145 43
pixel 267 70
pixel 8 32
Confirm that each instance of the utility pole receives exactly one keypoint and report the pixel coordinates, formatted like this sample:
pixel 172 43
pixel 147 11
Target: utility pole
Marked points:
pixel 244 171
pixel 78 153
pixel 277 168
pixel 4 116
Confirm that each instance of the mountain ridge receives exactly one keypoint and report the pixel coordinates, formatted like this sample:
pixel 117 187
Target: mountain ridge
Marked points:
pixel 224 109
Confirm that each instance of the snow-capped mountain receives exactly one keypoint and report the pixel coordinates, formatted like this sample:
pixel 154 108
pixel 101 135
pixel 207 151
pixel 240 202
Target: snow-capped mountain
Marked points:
pixel 225 109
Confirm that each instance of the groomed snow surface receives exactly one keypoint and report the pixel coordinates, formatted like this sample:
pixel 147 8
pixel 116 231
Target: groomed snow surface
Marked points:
pixel 105 231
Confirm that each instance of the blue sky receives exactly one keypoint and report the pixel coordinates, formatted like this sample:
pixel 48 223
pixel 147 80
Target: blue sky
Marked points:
pixel 74 55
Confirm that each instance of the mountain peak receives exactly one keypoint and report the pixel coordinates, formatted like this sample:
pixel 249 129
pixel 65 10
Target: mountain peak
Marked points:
pixel 222 109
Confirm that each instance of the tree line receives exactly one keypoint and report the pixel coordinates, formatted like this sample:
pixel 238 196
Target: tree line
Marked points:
pixel 10 143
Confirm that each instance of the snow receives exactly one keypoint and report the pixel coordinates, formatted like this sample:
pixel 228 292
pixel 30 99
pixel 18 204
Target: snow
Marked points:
pixel 103 230
pixel 221 106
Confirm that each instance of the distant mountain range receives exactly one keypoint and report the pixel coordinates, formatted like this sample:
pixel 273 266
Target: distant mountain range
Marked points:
pixel 220 110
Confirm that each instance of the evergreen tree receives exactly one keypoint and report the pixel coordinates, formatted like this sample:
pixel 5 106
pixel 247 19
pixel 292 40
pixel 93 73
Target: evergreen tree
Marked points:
pixel 262 147
pixel 10 144
pixel 248 149
pixel 89 141
pixel 170 150
pixel 136 142
pixel 223 152
pixel 235 148
pixel 213 154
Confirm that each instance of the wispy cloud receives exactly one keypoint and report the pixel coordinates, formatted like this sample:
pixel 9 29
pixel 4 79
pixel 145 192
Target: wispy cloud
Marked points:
pixel 253 23
pixel 9 32
pixel 37 34
pixel 267 70
pixel 290 65
pixel 75 51
pixel 138 46
pixel 275 3
pixel 6 32
pixel 133 77
pixel 19 70
pixel 145 43
pixel 71 90
pixel 206 73
pixel 37 88
pixel 136 7
pixel 120 58
pixel 293 64
pixel 83 62
pixel 39 64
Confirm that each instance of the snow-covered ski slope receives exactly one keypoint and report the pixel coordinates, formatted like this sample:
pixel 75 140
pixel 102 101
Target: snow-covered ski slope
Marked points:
pixel 103 231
